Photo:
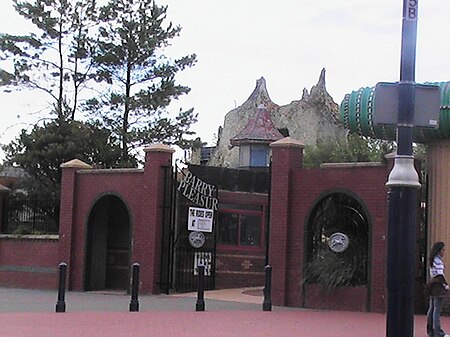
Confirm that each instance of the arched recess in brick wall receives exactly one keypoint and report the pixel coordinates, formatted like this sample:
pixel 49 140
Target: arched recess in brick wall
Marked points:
pixel 337 241
pixel 108 246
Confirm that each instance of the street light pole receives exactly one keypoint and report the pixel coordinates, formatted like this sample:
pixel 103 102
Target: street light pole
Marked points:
pixel 403 183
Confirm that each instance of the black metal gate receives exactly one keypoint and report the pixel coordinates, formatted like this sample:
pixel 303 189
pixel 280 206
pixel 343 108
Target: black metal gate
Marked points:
pixel 179 258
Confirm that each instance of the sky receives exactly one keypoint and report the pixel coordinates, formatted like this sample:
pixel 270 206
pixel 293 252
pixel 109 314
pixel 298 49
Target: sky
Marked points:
pixel 287 42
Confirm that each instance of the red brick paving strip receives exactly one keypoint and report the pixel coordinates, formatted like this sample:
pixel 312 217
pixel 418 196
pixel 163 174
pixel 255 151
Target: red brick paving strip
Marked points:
pixel 298 323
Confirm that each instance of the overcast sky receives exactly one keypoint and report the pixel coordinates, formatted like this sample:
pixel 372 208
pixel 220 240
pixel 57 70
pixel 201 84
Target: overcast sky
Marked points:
pixel 287 42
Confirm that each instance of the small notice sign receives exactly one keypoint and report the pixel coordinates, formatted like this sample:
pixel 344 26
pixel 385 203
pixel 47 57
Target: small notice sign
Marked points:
pixel 203 259
pixel 200 219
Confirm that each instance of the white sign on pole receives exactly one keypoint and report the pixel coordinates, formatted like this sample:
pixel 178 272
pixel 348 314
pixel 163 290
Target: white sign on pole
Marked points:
pixel 200 219
pixel 203 259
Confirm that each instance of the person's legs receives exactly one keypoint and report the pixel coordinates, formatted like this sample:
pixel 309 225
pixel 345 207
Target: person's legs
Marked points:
pixel 430 331
pixel 437 307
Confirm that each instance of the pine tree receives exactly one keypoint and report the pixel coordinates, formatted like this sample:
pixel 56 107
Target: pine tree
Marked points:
pixel 55 59
pixel 130 59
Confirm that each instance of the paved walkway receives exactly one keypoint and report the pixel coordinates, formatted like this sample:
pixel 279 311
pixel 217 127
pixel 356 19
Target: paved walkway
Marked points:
pixel 231 313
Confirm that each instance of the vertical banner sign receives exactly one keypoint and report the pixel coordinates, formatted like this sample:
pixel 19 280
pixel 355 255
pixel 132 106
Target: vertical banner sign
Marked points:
pixel 411 10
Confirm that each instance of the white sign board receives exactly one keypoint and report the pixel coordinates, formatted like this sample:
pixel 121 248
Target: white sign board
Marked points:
pixel 200 219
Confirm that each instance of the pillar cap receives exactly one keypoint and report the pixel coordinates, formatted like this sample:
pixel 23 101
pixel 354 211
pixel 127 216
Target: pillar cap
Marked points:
pixel 288 142
pixel 158 148
pixel 76 163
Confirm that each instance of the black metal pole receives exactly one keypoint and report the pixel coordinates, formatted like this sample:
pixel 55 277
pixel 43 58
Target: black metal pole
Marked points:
pixel 267 304
pixel 267 215
pixel 403 183
pixel 134 303
pixel 200 304
pixel 61 304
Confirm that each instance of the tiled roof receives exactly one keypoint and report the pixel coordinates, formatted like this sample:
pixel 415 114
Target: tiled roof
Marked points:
pixel 259 129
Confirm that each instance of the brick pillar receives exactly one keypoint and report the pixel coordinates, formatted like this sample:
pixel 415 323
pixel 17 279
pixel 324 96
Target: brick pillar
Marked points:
pixel 147 235
pixel 67 212
pixel 287 155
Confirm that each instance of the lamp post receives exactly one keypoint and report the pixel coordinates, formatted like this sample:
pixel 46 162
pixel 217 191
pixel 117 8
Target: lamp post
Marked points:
pixel 403 183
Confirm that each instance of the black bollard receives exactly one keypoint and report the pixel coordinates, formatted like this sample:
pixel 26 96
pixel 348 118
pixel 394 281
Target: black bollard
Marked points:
pixel 267 304
pixel 61 304
pixel 200 305
pixel 134 303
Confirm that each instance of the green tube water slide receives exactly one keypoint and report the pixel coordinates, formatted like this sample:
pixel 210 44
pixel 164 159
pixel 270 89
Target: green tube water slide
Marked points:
pixel 357 108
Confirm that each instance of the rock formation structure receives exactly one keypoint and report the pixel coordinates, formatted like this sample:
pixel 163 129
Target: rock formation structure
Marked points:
pixel 312 119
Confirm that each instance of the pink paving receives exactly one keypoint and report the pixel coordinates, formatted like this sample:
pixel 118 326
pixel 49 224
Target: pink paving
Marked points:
pixel 298 323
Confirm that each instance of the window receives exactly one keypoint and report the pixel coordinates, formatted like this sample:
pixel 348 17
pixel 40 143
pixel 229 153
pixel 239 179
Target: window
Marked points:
pixel 228 228
pixel 250 226
pixel 240 228
pixel 258 155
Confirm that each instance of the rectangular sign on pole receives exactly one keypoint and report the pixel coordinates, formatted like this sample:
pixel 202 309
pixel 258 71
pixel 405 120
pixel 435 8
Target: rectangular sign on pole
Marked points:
pixel 200 219
pixel 427 104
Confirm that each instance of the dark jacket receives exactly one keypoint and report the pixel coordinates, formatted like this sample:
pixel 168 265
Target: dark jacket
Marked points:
pixel 436 287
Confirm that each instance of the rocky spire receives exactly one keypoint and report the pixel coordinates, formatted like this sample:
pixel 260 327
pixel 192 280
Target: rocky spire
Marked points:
pixel 318 93
pixel 320 87
pixel 313 119
pixel 259 96
pixel 320 97
pixel 321 82
pixel 305 94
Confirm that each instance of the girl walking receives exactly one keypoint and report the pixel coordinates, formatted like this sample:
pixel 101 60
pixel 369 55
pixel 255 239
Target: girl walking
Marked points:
pixel 437 287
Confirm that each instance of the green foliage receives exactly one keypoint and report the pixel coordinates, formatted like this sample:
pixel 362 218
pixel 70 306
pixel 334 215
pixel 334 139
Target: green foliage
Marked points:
pixel 56 60
pixel 128 57
pixel 42 151
pixel 420 151
pixel 355 149
pixel 115 55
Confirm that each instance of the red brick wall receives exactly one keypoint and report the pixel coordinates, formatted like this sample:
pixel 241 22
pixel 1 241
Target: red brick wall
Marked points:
pixel 142 191
pixel 294 192
pixel 91 186
pixel 28 263
pixel 33 263
pixel 367 184
pixel 285 161
pixel 239 269
pixel 66 220
pixel 147 238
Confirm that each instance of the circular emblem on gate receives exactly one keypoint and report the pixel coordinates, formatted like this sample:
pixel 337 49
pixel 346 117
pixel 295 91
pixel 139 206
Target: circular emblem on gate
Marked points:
pixel 196 239
pixel 338 242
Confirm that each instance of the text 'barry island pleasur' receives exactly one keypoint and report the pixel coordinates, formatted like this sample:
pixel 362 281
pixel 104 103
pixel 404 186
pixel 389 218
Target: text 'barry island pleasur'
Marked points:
pixel 199 192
